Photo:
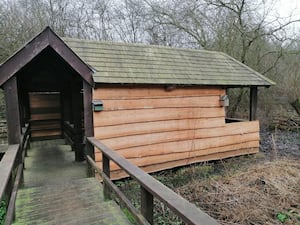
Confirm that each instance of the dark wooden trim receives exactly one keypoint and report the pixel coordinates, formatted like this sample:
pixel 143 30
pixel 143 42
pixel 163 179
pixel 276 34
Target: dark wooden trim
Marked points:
pixel 6 167
pixel 70 57
pixel 12 111
pixel 124 201
pixel 77 132
pixel 88 123
pixel 10 213
pixel 46 38
pixel 253 103
pixel 22 57
pixel 147 205
pixel 88 110
pixel 106 171
pixel 188 212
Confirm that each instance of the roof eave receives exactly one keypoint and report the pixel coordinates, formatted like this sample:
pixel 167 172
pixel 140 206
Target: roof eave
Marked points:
pixel 36 45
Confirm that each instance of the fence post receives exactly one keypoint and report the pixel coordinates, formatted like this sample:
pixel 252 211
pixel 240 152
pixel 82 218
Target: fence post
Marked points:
pixel 106 170
pixel 147 205
pixel 90 152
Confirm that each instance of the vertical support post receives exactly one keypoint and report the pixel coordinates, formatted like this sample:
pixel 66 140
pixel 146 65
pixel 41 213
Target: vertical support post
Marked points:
pixel 12 111
pixel 106 171
pixel 253 103
pixel 88 123
pixel 76 108
pixel 147 205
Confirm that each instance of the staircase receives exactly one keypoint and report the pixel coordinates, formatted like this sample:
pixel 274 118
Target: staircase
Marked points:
pixel 74 202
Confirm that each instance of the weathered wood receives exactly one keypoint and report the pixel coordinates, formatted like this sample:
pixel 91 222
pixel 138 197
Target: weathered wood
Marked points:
pixel 253 103
pixel 123 130
pixel 117 174
pixel 107 118
pixel 106 171
pixel 10 212
pixel 173 156
pixel 12 111
pixel 150 103
pixel 185 210
pixel 45 115
pixel 142 156
pixel 124 200
pixel 6 167
pixel 149 125
pixel 210 135
pixel 88 112
pixel 138 92
pixel 45 133
pixel 77 102
pixel 22 57
pixel 147 204
pixel 70 57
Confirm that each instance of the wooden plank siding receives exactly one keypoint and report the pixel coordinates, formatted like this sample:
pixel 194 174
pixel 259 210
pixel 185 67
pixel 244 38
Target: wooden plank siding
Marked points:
pixel 158 129
pixel 45 115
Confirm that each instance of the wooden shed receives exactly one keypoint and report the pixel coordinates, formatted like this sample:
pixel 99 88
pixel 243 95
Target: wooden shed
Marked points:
pixel 160 107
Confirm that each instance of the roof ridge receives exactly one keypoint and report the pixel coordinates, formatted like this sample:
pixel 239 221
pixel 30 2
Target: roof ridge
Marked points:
pixel 140 45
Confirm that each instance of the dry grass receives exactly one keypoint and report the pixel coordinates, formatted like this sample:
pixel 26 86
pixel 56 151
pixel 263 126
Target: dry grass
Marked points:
pixel 255 195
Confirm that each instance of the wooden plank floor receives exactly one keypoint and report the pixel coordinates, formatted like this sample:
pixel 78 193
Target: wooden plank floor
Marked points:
pixel 56 191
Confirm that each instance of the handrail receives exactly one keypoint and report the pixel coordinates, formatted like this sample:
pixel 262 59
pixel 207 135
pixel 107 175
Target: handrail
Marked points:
pixel 11 172
pixel 7 166
pixel 150 188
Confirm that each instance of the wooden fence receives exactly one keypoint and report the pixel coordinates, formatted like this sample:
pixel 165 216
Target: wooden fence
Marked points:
pixel 150 188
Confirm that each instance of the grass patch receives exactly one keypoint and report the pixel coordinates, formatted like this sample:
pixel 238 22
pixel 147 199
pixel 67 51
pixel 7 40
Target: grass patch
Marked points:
pixel 265 193
pixel 2 212
pixel 242 190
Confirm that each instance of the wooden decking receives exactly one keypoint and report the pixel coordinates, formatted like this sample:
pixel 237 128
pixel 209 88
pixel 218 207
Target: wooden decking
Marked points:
pixel 57 191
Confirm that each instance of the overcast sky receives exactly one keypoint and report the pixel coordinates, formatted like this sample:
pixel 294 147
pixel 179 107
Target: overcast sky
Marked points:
pixel 286 7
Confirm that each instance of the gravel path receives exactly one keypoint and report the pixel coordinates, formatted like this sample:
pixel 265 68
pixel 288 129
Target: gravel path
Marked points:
pixel 287 143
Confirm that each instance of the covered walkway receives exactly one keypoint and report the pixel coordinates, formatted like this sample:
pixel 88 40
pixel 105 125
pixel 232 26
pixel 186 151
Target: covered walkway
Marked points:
pixel 57 191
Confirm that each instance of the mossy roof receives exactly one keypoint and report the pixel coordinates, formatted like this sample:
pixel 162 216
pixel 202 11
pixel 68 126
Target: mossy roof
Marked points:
pixel 122 63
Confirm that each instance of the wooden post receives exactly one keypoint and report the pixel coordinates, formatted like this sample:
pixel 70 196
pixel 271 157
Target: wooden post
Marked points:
pixel 253 103
pixel 147 205
pixel 106 171
pixel 76 108
pixel 12 111
pixel 88 124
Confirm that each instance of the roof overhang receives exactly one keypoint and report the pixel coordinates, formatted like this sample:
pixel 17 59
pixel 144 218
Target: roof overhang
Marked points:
pixel 47 38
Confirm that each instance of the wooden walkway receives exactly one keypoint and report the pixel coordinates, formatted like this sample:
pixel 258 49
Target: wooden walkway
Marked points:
pixel 56 190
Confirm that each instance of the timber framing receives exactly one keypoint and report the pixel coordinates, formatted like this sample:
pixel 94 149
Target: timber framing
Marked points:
pixel 47 38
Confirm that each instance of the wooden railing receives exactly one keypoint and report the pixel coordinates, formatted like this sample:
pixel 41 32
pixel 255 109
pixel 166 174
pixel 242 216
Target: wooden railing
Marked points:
pixel 68 132
pixel 150 188
pixel 73 136
pixel 11 173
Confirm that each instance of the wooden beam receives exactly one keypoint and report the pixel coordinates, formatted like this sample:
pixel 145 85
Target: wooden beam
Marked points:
pixel 12 111
pixel 147 205
pixel 76 109
pixel 253 103
pixel 88 111
pixel 106 171
pixel 70 57
pixel 43 40
pixel 88 123
pixel 22 57
pixel 188 212
pixel 6 168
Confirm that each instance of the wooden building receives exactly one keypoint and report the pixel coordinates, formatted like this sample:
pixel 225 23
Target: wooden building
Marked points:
pixel 160 107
